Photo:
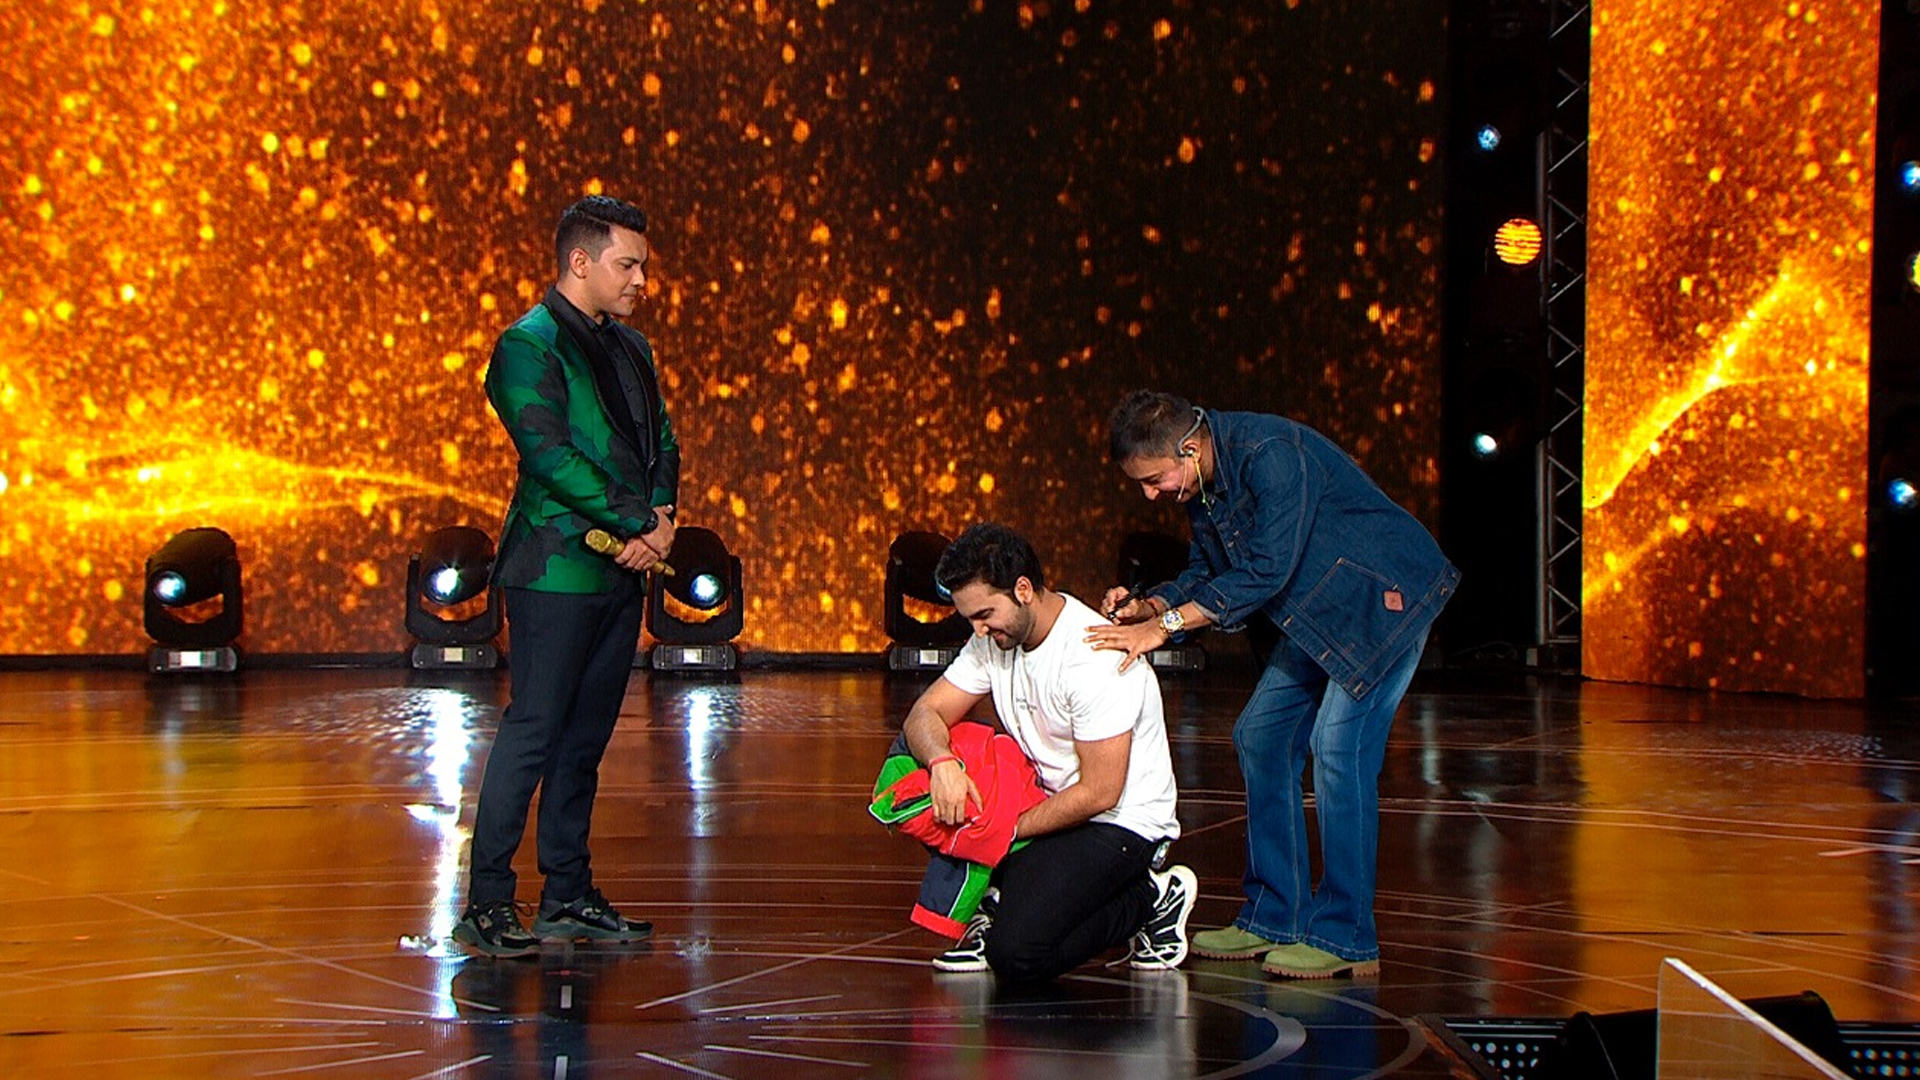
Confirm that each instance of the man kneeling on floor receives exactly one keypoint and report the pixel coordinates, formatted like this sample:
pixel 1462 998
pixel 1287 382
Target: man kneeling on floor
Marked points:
pixel 1080 879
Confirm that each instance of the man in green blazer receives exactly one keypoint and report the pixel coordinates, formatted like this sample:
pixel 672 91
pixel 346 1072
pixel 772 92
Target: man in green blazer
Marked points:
pixel 577 392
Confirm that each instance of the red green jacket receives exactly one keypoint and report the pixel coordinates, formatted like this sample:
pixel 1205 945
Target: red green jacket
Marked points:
pixel 963 856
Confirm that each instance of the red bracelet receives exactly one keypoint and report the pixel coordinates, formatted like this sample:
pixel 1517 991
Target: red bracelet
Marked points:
pixel 944 758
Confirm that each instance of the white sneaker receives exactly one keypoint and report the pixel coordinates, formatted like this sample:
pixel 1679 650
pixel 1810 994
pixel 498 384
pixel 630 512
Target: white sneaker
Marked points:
pixel 1161 941
pixel 970 952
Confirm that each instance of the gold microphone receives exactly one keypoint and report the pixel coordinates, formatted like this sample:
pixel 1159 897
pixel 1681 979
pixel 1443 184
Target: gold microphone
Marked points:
pixel 606 543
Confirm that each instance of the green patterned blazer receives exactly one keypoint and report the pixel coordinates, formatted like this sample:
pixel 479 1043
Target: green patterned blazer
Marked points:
pixel 580 469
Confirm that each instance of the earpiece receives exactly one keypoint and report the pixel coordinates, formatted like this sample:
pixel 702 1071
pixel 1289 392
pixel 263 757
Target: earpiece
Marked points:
pixel 1190 455
pixel 1187 449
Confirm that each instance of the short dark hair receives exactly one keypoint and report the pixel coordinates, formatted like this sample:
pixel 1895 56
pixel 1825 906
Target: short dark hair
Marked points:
pixel 1148 424
pixel 588 225
pixel 992 554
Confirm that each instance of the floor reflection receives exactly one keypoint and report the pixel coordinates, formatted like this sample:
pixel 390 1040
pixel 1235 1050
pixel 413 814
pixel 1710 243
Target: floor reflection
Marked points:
pixel 257 876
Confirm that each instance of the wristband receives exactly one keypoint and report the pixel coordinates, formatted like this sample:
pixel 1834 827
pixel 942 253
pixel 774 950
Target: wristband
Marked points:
pixel 945 758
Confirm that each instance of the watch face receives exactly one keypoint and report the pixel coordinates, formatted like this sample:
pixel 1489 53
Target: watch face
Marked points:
pixel 1172 621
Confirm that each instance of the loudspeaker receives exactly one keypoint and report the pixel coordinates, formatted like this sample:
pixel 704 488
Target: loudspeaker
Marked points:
pixel 1622 1046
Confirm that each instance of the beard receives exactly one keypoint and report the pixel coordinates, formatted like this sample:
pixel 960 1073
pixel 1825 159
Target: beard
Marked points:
pixel 1018 629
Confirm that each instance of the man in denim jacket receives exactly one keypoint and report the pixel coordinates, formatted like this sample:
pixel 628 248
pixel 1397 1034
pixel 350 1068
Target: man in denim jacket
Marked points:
pixel 1286 526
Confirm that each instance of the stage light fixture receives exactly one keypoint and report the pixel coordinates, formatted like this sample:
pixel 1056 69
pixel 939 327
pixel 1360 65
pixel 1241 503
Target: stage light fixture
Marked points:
pixel 1488 138
pixel 1517 242
pixel 1502 409
pixel 695 612
pixel 1896 460
pixel 925 630
pixel 453 610
pixel 443 584
pixel 1909 172
pixel 705 591
pixel 192 603
pixel 1902 495
pixel 1913 271
pixel 1152 558
pixel 169 588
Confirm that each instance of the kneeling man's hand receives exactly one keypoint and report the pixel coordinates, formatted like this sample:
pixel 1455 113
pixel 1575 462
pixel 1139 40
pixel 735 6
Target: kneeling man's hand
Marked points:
pixel 952 790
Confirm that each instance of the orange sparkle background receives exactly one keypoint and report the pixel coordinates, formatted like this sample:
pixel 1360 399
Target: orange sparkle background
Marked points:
pixel 907 255
pixel 1731 205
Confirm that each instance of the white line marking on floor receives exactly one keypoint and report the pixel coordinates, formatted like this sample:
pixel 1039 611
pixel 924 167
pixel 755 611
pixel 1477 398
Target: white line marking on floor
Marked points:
pixel 343 1064
pixel 415 1013
pixel 682 1066
pixel 769 1004
pixel 697 991
pixel 786 1057
pixel 454 1068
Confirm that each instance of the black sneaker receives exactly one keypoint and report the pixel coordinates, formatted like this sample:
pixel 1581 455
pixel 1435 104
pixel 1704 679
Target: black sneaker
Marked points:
pixel 970 952
pixel 1162 941
pixel 589 917
pixel 494 928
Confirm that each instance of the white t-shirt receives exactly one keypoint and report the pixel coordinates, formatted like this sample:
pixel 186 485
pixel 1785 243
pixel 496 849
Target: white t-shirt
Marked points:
pixel 1063 690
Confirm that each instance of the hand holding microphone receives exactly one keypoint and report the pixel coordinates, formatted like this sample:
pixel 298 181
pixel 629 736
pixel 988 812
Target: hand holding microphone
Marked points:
pixel 606 543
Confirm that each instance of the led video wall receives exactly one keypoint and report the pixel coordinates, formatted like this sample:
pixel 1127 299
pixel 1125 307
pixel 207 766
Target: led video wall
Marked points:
pixel 906 256
pixel 1730 260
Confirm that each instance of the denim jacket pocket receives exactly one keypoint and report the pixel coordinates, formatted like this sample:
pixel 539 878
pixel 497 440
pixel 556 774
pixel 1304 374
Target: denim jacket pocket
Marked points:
pixel 1356 609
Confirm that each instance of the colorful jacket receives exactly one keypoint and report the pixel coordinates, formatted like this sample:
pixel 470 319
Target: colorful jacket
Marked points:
pixel 963 855
pixel 578 471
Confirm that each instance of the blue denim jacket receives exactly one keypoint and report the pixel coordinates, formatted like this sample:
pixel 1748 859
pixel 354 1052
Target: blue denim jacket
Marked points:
pixel 1291 526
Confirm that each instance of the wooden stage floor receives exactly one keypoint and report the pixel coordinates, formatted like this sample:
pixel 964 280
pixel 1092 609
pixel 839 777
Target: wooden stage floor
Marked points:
pixel 256 876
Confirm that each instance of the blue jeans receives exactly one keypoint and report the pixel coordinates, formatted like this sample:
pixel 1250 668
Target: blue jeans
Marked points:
pixel 1295 711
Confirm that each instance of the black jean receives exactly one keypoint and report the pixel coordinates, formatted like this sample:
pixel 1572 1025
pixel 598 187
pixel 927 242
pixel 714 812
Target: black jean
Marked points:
pixel 570 656
pixel 1067 897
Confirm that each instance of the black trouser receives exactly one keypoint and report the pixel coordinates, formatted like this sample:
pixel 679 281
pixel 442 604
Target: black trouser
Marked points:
pixel 570 656
pixel 1067 897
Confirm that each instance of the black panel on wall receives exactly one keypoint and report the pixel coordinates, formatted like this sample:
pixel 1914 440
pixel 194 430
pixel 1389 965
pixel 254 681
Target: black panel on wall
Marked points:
pixel 1893 489
pixel 1496 374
